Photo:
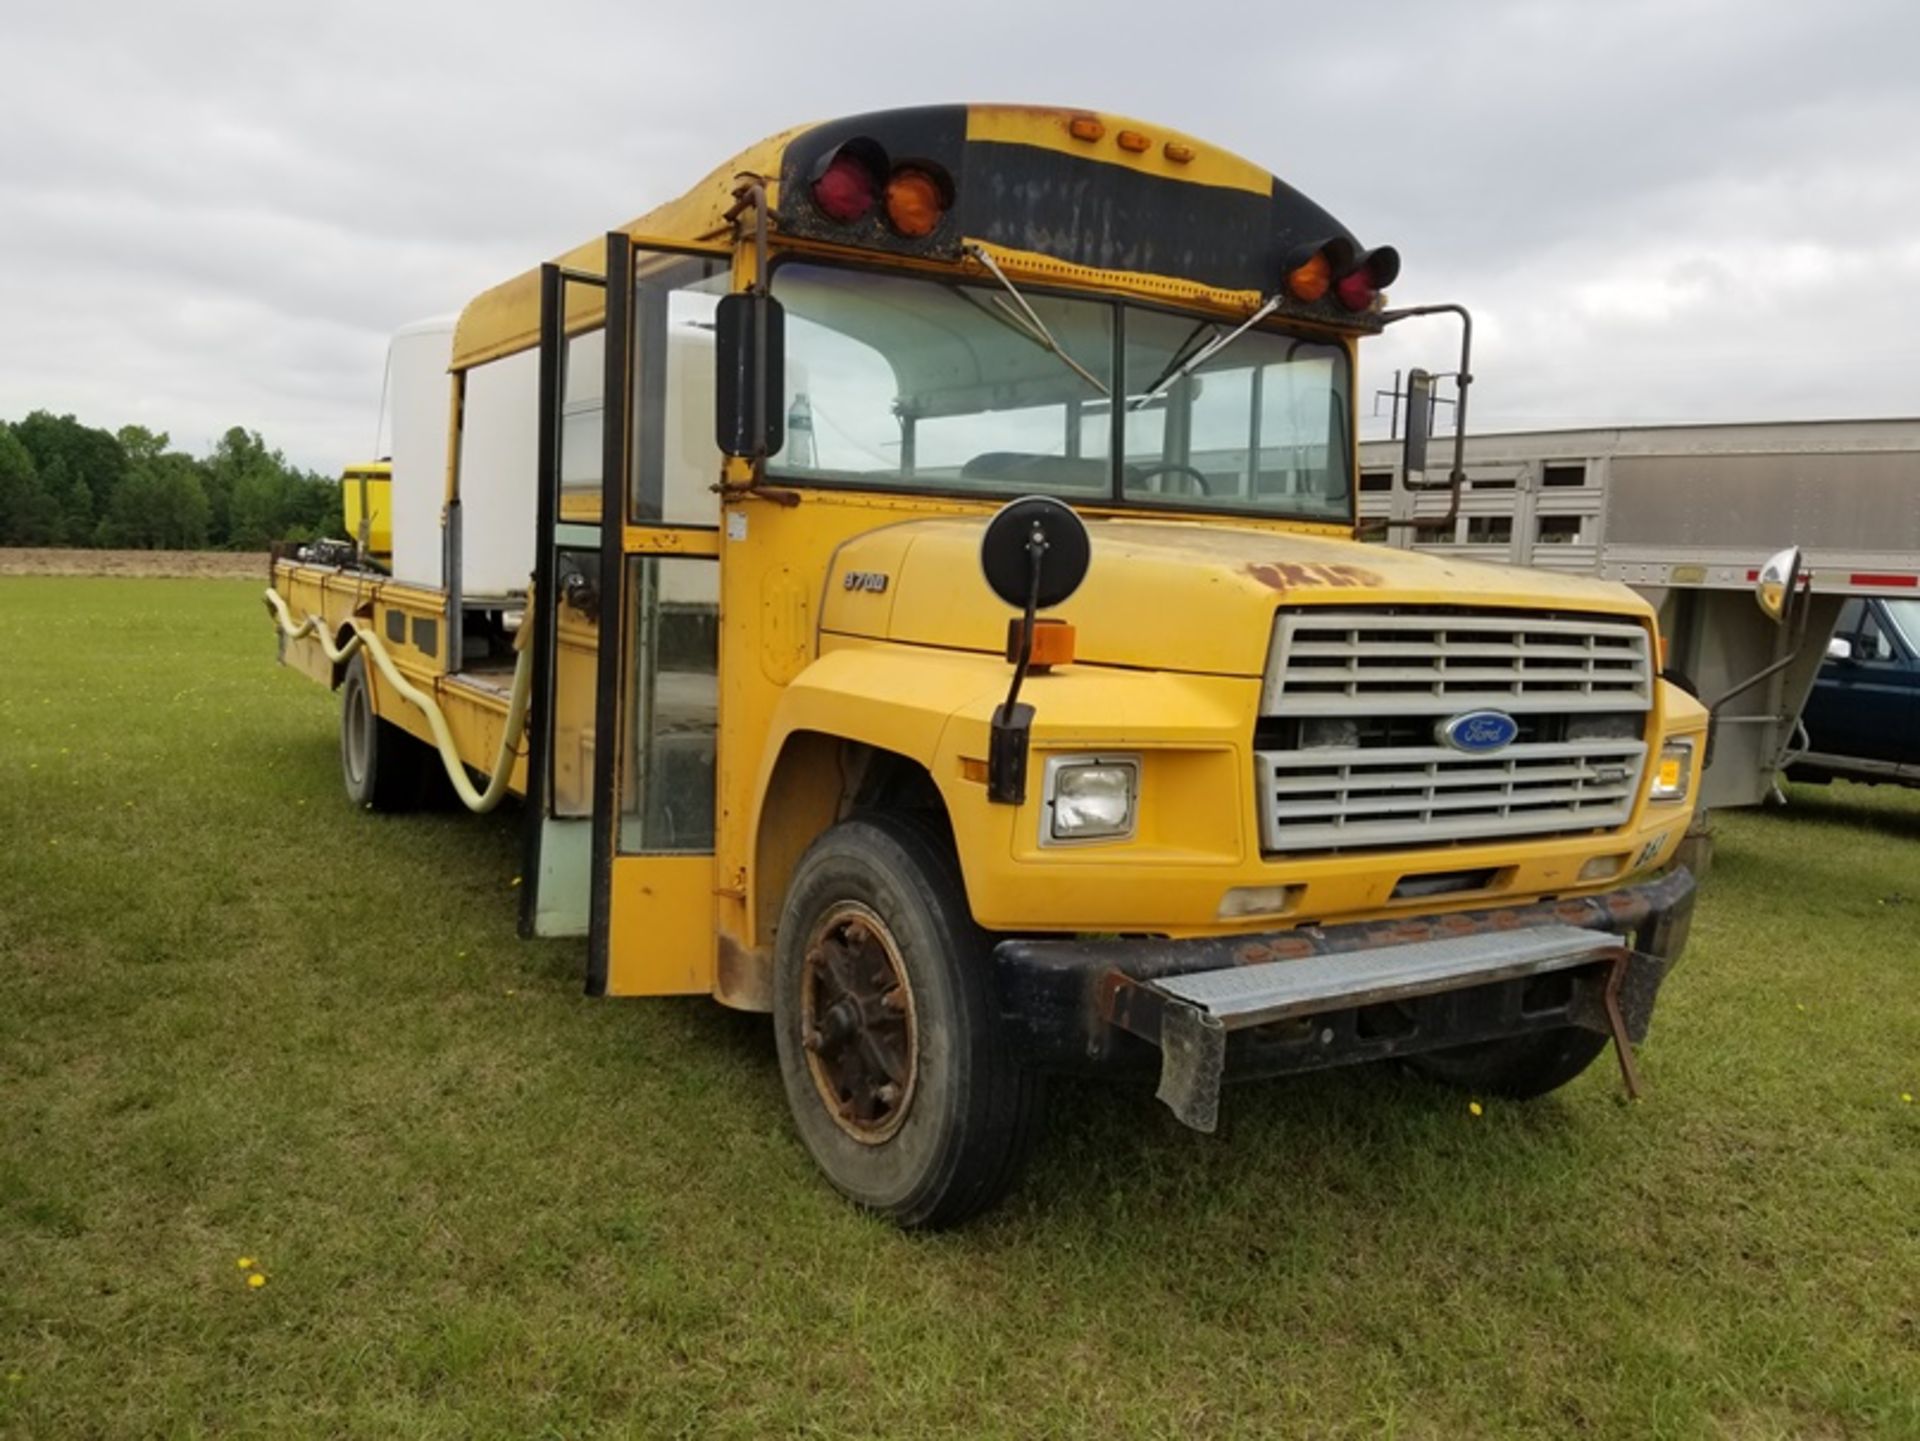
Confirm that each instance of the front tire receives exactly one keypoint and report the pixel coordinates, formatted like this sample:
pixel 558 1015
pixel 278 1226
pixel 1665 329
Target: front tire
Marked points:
pixel 900 1077
pixel 1517 1067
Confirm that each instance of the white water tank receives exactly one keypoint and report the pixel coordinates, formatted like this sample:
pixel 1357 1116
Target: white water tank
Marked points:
pixel 419 400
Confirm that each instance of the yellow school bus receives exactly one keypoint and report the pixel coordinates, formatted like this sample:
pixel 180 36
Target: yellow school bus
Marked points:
pixel 911 582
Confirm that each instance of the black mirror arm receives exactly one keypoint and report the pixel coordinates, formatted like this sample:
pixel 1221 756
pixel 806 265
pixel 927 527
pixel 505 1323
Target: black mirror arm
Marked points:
pixel 1457 480
pixel 1013 722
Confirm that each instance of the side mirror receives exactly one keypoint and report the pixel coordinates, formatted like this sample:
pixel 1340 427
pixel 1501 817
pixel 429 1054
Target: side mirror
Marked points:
pixel 1413 462
pixel 1778 580
pixel 1034 554
pixel 1839 648
pixel 750 349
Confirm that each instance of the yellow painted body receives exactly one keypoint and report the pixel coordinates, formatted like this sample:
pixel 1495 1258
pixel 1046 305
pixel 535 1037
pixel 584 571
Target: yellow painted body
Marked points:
pixel 1173 625
pixel 366 498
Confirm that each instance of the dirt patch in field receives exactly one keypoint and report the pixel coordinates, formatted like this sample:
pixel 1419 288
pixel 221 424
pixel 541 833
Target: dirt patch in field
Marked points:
pixel 177 564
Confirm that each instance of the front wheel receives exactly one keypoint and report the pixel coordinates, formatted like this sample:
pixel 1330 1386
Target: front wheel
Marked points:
pixel 891 1049
pixel 1517 1067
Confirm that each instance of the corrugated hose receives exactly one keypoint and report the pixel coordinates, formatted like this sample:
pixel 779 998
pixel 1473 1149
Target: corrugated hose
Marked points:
pixel 474 800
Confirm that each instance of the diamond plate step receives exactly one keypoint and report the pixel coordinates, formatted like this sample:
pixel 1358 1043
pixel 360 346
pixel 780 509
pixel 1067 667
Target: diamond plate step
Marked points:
pixel 1243 996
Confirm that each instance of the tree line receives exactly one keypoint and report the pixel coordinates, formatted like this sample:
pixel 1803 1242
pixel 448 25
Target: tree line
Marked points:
pixel 67 484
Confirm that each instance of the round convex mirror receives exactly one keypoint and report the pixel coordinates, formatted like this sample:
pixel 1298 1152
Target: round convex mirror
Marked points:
pixel 1006 559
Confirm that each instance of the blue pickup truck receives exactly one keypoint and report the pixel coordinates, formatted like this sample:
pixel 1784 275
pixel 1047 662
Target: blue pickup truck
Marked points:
pixel 1863 717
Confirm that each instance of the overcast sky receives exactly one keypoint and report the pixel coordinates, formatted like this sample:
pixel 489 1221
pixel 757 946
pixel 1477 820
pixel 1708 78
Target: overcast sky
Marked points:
pixel 214 213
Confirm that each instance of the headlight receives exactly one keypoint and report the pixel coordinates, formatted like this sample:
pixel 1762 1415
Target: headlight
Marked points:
pixel 1090 798
pixel 1674 773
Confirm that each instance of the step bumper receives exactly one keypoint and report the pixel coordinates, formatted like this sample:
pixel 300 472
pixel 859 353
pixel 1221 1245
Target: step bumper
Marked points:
pixel 1217 1008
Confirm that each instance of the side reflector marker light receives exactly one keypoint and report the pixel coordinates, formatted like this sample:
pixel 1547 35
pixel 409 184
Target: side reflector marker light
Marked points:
pixel 1052 642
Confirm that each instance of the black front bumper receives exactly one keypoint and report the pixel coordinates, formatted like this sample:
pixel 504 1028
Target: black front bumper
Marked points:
pixel 1058 997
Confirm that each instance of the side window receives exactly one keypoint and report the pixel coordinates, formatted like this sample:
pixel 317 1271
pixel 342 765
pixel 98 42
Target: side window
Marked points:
pixel 1872 642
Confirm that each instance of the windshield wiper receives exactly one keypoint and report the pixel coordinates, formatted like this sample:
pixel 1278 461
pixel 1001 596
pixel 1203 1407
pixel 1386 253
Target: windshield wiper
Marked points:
pixel 1205 353
pixel 1030 324
pixel 1179 357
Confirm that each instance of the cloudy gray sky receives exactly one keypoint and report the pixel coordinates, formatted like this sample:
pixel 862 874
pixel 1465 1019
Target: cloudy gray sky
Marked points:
pixel 213 213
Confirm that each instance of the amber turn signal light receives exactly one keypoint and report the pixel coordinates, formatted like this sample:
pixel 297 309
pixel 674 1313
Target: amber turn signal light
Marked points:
pixel 1052 642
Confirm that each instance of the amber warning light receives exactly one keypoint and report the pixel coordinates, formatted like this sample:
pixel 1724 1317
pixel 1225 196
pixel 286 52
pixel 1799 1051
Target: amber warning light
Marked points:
pixel 1355 277
pixel 914 195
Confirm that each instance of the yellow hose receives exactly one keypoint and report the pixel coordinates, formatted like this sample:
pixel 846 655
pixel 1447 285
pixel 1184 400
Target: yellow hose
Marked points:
pixel 474 800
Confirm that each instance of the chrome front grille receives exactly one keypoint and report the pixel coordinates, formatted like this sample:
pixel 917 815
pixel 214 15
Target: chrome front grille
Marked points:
pixel 1358 662
pixel 1349 753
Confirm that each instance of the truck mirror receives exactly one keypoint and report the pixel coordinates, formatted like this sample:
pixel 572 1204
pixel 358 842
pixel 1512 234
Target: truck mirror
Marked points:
pixel 1034 554
pixel 1778 580
pixel 749 344
pixel 1413 463
pixel 1839 648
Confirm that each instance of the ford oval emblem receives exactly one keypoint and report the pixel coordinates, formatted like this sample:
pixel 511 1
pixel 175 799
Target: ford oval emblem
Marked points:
pixel 1478 732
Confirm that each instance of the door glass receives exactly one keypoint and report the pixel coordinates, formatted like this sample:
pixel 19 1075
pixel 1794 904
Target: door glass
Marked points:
pixel 582 413
pixel 676 459
pixel 1905 617
pixel 673 627
pixel 1872 643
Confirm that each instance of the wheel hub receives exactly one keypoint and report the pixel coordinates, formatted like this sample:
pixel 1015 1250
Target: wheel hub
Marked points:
pixel 857 1023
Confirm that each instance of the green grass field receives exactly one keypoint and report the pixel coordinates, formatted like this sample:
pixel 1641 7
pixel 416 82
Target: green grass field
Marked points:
pixel 240 1019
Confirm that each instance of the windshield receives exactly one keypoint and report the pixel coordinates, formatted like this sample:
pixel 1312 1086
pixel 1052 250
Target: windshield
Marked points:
pixel 897 381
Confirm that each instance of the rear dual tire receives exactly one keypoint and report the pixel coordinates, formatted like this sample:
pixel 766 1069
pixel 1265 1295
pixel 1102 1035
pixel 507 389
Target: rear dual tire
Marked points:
pixel 384 768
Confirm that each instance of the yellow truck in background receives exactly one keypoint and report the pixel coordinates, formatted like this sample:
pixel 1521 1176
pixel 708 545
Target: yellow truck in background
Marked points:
pixel 911 581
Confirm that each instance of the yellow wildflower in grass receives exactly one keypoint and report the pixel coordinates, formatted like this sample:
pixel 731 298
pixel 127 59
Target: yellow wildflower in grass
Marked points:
pixel 245 1263
pixel 1907 1096
pixel 1475 1108
pixel 256 1280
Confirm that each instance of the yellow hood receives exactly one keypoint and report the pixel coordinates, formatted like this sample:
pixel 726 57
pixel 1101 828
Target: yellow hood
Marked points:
pixel 1169 595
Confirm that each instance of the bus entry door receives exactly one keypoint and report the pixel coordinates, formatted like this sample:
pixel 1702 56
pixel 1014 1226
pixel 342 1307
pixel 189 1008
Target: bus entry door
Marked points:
pixel 652 907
